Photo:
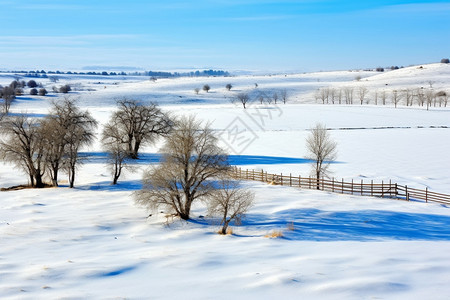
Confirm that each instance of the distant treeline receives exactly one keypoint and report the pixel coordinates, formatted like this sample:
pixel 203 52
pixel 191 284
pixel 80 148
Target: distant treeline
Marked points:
pixel 156 74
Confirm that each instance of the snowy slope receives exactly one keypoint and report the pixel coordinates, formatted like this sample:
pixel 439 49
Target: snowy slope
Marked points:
pixel 93 242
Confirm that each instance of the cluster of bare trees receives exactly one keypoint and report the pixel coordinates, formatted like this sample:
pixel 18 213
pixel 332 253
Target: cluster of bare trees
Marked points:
pixel 193 168
pixel 15 88
pixel 409 96
pixel 263 97
pixel 43 147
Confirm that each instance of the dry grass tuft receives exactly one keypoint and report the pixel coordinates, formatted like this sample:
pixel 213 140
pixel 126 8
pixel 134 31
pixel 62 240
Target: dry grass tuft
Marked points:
pixel 229 231
pixel 274 234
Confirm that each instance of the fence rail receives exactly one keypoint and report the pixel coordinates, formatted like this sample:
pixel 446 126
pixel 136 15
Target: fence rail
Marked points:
pixel 383 189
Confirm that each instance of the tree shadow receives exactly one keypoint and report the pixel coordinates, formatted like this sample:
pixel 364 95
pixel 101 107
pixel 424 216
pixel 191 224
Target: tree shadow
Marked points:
pixel 361 225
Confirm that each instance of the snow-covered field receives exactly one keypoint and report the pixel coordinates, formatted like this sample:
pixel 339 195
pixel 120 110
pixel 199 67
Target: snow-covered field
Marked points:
pixel 93 242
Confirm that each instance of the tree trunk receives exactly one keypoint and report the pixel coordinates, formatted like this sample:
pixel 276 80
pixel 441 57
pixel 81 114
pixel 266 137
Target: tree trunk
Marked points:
pixel 71 176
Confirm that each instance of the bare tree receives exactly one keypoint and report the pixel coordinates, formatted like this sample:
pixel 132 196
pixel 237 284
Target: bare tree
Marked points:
pixel 191 158
pixel 275 97
pixel 8 95
pixel 362 92
pixel 408 94
pixel 228 86
pixel 206 88
pixel 116 146
pixel 243 98
pixel 323 94
pixel 140 124
pixel 420 95
pixel 24 147
pixel 230 201
pixel 321 149
pixel 348 93
pixel 396 97
pixel 383 96
pixel 429 96
pixel 284 95
pixel 64 130
pixel 196 90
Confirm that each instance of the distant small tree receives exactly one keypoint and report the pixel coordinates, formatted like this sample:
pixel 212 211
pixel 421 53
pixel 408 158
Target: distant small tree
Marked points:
pixel 115 145
pixel 32 84
pixel 140 124
pixel 348 93
pixel 33 92
pixel 322 150
pixel 230 201
pixel 42 92
pixel 275 97
pixel 243 98
pixel 206 88
pixel 196 90
pixel 284 95
pixel 228 86
pixel 362 92
pixel 396 97
pixel 445 61
pixel 8 95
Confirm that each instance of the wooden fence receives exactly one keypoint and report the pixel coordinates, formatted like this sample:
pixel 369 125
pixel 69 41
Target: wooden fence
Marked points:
pixel 383 189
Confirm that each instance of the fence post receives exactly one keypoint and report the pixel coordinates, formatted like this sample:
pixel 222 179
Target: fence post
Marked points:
pixel 390 188
pixel 352 187
pixel 407 195
pixel 332 185
pixel 262 175
pixel 253 175
pixel 290 179
pixel 382 188
pixel 246 174
pixel 371 188
pixel 426 195
pixel 342 186
pixel 362 187
pixel 299 181
pixel 323 182
pixel 281 176
pixel 309 181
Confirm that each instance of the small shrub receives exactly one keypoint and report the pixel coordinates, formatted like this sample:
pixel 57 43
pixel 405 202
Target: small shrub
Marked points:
pixel 196 90
pixel 379 69
pixel 65 89
pixel 445 61
pixel 32 84
pixel 206 88
pixel 42 92
pixel 33 92
pixel 228 86
pixel 19 92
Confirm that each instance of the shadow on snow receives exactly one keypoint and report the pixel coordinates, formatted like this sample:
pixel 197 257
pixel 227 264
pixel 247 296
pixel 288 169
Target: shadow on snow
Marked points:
pixel 362 225
pixel 236 160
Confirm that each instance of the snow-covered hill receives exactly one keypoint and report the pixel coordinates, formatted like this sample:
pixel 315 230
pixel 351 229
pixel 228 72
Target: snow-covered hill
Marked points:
pixel 93 242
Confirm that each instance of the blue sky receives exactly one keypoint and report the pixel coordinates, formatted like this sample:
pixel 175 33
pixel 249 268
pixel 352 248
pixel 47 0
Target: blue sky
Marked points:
pixel 263 35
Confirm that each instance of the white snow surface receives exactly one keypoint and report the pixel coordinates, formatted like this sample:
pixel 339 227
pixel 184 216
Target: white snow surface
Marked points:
pixel 92 242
